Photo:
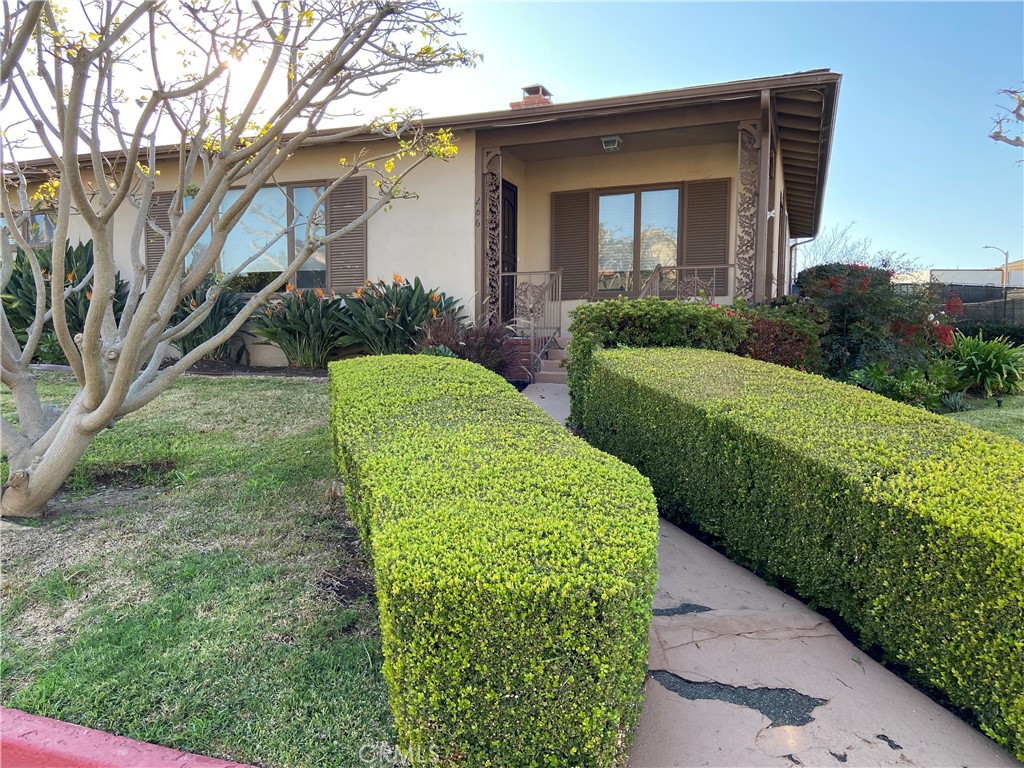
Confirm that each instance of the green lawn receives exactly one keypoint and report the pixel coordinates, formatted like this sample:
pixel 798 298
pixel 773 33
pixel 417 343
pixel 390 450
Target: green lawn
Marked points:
pixel 194 587
pixel 1008 420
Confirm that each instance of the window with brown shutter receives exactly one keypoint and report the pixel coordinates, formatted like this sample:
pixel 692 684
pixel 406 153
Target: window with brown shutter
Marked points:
pixel 706 229
pixel 571 215
pixel 160 215
pixel 346 256
pixel 608 241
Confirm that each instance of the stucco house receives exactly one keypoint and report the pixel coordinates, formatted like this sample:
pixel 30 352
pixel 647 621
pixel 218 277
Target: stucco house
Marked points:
pixel 547 205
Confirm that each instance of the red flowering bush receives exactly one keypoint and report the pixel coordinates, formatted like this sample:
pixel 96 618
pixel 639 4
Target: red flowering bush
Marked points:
pixel 871 320
pixel 954 306
pixel 775 342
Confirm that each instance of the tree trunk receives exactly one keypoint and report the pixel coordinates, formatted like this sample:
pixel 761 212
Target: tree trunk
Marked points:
pixel 37 475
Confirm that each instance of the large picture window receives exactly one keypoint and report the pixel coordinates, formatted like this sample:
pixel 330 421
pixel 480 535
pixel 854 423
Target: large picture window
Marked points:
pixel 272 211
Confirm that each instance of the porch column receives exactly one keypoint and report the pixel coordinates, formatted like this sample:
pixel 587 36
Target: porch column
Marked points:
pixel 748 173
pixel 489 220
pixel 765 199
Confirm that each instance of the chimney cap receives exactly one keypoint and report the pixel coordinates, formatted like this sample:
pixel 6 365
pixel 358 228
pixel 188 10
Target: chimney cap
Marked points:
pixel 536 90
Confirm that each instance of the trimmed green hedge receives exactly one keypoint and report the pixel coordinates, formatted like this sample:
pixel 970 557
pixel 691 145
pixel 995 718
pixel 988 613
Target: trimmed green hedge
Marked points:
pixel 515 565
pixel 907 524
pixel 646 323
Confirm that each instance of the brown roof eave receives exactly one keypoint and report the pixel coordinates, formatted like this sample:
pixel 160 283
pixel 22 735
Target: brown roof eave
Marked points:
pixel 828 122
pixel 738 89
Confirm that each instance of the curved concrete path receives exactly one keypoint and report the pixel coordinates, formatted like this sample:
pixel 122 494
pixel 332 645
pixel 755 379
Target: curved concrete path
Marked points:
pixel 742 674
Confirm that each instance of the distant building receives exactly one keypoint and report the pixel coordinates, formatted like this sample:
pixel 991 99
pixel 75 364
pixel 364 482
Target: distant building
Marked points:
pixel 992 276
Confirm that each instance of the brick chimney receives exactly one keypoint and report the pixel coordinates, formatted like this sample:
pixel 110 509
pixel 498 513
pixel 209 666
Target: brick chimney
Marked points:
pixel 533 96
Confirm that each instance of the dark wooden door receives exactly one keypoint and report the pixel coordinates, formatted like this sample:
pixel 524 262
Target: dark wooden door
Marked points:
pixel 509 248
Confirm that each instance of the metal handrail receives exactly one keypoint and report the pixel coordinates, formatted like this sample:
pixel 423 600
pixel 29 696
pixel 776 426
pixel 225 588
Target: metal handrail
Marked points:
pixel 690 282
pixel 538 309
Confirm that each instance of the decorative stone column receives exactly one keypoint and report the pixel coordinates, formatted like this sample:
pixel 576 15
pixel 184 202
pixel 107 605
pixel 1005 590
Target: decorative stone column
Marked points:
pixel 491 232
pixel 746 209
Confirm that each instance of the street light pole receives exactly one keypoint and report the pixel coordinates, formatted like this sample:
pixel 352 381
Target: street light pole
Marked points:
pixel 1006 264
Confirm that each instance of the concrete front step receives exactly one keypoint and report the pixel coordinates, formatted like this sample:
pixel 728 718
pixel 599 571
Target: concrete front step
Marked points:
pixel 555 354
pixel 549 377
pixel 551 366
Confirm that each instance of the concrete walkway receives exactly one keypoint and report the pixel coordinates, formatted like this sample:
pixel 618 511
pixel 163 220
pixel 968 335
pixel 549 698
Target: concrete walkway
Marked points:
pixel 742 674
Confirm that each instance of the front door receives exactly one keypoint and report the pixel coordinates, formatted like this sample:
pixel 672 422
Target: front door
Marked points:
pixel 509 242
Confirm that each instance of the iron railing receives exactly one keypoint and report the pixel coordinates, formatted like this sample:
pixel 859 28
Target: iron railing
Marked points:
pixel 687 283
pixel 532 305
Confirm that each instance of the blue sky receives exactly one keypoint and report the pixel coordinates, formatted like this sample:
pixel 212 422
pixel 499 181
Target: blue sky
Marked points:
pixel 912 164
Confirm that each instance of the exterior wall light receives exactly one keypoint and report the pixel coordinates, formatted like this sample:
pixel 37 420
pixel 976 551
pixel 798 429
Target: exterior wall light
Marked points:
pixel 611 143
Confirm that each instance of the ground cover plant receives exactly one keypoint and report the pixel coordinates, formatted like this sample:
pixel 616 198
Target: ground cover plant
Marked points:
pixel 194 588
pixel 515 565
pixel 908 525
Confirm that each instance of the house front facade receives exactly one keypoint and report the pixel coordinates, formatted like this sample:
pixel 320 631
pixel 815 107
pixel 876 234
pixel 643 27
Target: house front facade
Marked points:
pixel 691 192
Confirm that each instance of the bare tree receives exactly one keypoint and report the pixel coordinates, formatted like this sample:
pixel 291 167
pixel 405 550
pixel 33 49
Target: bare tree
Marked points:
pixel 1010 120
pixel 838 245
pixel 97 94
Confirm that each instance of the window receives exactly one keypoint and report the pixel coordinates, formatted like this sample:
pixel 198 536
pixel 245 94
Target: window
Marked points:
pixel 637 230
pixel 38 230
pixel 272 211
pixel 41 228
pixel 608 242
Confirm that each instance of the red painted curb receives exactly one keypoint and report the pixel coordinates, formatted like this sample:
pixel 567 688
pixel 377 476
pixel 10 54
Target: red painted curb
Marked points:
pixel 28 741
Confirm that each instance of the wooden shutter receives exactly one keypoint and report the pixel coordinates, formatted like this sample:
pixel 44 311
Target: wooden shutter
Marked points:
pixel 571 214
pixel 706 229
pixel 346 256
pixel 160 215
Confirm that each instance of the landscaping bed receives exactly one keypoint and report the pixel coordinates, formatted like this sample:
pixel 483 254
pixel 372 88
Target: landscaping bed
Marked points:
pixel 194 588
pixel 906 524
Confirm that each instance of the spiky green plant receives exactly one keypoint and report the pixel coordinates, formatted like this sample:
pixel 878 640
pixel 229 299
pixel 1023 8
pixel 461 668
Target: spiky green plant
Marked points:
pixel 306 325
pixel 227 304
pixel 993 366
pixel 389 317
pixel 19 298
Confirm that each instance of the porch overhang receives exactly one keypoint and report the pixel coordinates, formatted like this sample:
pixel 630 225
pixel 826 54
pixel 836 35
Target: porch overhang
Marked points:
pixel 803 108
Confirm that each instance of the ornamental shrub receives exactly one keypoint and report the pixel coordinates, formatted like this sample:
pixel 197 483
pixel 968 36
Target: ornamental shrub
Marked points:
pixel 650 322
pixel 785 332
pixel 515 565
pixel 908 525
pixel 306 325
pixel 389 317
pixel 989 366
pixel 871 320
pixel 19 298
pixel 481 341
pixel 226 307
